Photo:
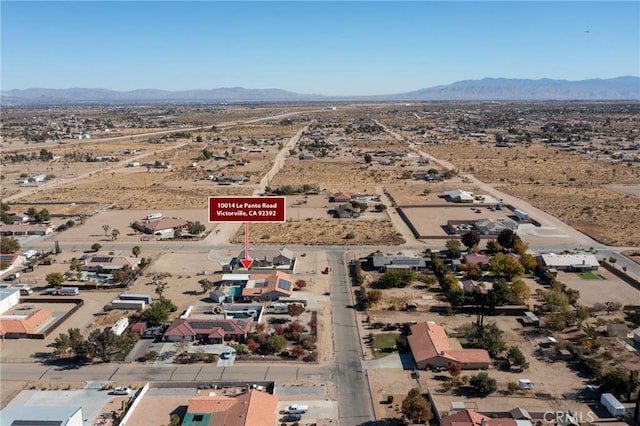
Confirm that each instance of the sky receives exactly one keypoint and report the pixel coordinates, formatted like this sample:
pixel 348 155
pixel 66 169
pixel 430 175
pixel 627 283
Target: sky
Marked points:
pixel 330 47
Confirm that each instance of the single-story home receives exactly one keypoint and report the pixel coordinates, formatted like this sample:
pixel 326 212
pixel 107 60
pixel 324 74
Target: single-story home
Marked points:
pixel 268 257
pixel 268 286
pixel 210 331
pixel 381 262
pixel 42 415
pixel 19 326
pixel 489 227
pixel 473 418
pixel 25 229
pixel 468 286
pixel 160 226
pixel 430 348
pixel 569 262
pixel 481 259
pixel 345 211
pixel 107 264
pixel 251 408
pixel 341 197
pixel 458 196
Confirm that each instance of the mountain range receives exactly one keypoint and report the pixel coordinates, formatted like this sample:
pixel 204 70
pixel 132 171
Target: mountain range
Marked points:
pixel 487 89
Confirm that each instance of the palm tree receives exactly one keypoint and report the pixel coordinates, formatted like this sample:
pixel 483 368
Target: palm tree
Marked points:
pixel 114 234
pixel 106 228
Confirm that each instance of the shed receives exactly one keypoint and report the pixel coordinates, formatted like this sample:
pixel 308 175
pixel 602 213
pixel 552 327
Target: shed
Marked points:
pixel 532 318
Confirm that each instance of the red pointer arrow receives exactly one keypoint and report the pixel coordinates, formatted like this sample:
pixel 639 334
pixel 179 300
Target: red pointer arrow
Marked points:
pixel 247 261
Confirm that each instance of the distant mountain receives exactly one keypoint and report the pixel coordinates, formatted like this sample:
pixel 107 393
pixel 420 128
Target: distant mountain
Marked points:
pixel 78 95
pixel 504 89
pixel 487 89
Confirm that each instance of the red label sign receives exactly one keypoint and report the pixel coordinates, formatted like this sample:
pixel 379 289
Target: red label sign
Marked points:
pixel 247 209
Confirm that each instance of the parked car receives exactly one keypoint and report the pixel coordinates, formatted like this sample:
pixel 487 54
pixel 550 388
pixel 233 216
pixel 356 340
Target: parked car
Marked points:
pixel 225 355
pixel 12 277
pixel 121 390
pixel 292 418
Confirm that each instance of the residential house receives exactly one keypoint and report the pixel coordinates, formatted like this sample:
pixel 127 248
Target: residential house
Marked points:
pixel 569 262
pixel 9 297
pixel 247 409
pixel 209 331
pixel 12 260
pixel 472 418
pixel 458 196
pixel 268 286
pixel 19 326
pixel 481 259
pixel 268 257
pixel 16 229
pixel 469 286
pixel 489 227
pixel 41 415
pixel 381 263
pixel 161 226
pixel 103 264
pixel 431 348
pixel 341 197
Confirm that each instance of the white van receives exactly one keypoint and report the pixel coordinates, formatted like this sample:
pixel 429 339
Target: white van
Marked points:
pixel 69 291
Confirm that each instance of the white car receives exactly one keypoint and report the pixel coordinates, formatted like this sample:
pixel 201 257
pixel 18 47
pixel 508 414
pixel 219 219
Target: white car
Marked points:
pixel 121 390
pixel 226 355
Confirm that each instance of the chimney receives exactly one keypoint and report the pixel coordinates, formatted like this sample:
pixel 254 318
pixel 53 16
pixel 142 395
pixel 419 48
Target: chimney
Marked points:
pixel 483 422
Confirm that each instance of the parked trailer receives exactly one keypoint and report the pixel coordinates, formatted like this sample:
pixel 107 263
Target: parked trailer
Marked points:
pixel 613 406
pixel 152 216
pixel 144 297
pixel 69 291
pixel 134 305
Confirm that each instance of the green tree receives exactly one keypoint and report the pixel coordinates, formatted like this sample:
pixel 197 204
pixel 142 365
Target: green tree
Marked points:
pixel 43 216
pixel 195 228
pixel 520 290
pixel 507 238
pixel 487 337
pixel 482 384
pixel 520 246
pixel 517 358
pixel 275 343
pixel 453 249
pixel 96 247
pixel 206 285
pixel 158 312
pixel 500 294
pixel 136 250
pixel 470 239
pixel 507 266
pixel 616 381
pixel 54 278
pixel 494 246
pixel 528 262
pixel 472 271
pixel 9 245
pixel 396 278
pixel 102 344
pixel 416 408
pixel 114 234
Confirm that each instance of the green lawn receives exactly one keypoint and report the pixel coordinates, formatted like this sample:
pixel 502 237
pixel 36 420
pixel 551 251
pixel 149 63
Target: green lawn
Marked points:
pixel 588 275
pixel 384 344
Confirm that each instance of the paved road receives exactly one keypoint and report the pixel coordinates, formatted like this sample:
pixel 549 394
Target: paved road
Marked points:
pixel 354 397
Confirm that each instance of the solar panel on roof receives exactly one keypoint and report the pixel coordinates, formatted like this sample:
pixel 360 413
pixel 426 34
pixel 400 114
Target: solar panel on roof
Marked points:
pixel 284 284
pixel 101 259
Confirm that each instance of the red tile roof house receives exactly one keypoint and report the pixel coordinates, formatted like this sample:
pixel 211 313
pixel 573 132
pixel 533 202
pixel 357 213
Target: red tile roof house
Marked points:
pixel 268 286
pixel 341 197
pixel 159 226
pixel 253 408
pixel 18 326
pixel 472 418
pixel 209 331
pixel 430 348
pixel 481 259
